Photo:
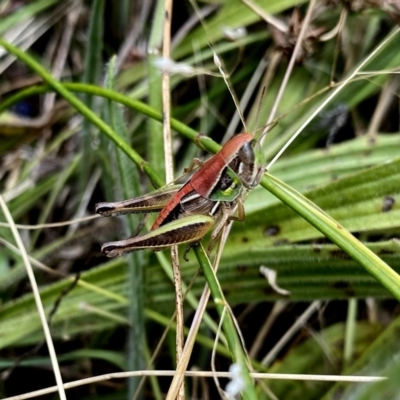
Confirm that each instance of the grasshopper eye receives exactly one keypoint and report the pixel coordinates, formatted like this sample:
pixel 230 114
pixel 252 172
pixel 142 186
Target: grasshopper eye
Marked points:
pixel 250 171
pixel 246 154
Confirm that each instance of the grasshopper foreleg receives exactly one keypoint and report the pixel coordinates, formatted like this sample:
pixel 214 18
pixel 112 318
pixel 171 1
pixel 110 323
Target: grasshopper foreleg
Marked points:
pixel 226 214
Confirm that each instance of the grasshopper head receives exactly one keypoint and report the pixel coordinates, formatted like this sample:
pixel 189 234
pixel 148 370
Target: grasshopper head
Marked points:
pixel 252 164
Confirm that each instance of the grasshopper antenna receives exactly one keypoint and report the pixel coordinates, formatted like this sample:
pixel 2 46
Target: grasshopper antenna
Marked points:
pixel 259 109
pixel 247 94
pixel 218 64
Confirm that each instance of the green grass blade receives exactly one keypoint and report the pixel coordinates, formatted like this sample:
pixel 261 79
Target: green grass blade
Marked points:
pixel 155 148
pixel 27 11
pixel 92 69
pixel 335 232
pixel 234 344
pixel 126 185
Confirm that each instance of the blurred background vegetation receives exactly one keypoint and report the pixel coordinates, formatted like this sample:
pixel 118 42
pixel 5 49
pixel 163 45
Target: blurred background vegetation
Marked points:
pixel 109 315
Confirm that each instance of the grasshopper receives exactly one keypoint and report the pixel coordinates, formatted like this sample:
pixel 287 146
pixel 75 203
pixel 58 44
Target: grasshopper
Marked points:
pixel 206 201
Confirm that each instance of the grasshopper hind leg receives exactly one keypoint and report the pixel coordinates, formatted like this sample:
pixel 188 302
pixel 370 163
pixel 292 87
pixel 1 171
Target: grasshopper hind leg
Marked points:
pixel 185 230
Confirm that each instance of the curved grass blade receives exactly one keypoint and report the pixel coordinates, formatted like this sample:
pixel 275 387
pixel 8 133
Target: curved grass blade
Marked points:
pixel 84 110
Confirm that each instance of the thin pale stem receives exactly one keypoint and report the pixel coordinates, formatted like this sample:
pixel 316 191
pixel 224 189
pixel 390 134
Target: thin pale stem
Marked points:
pixel 290 67
pixel 294 328
pixel 205 374
pixel 169 176
pixel 38 300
